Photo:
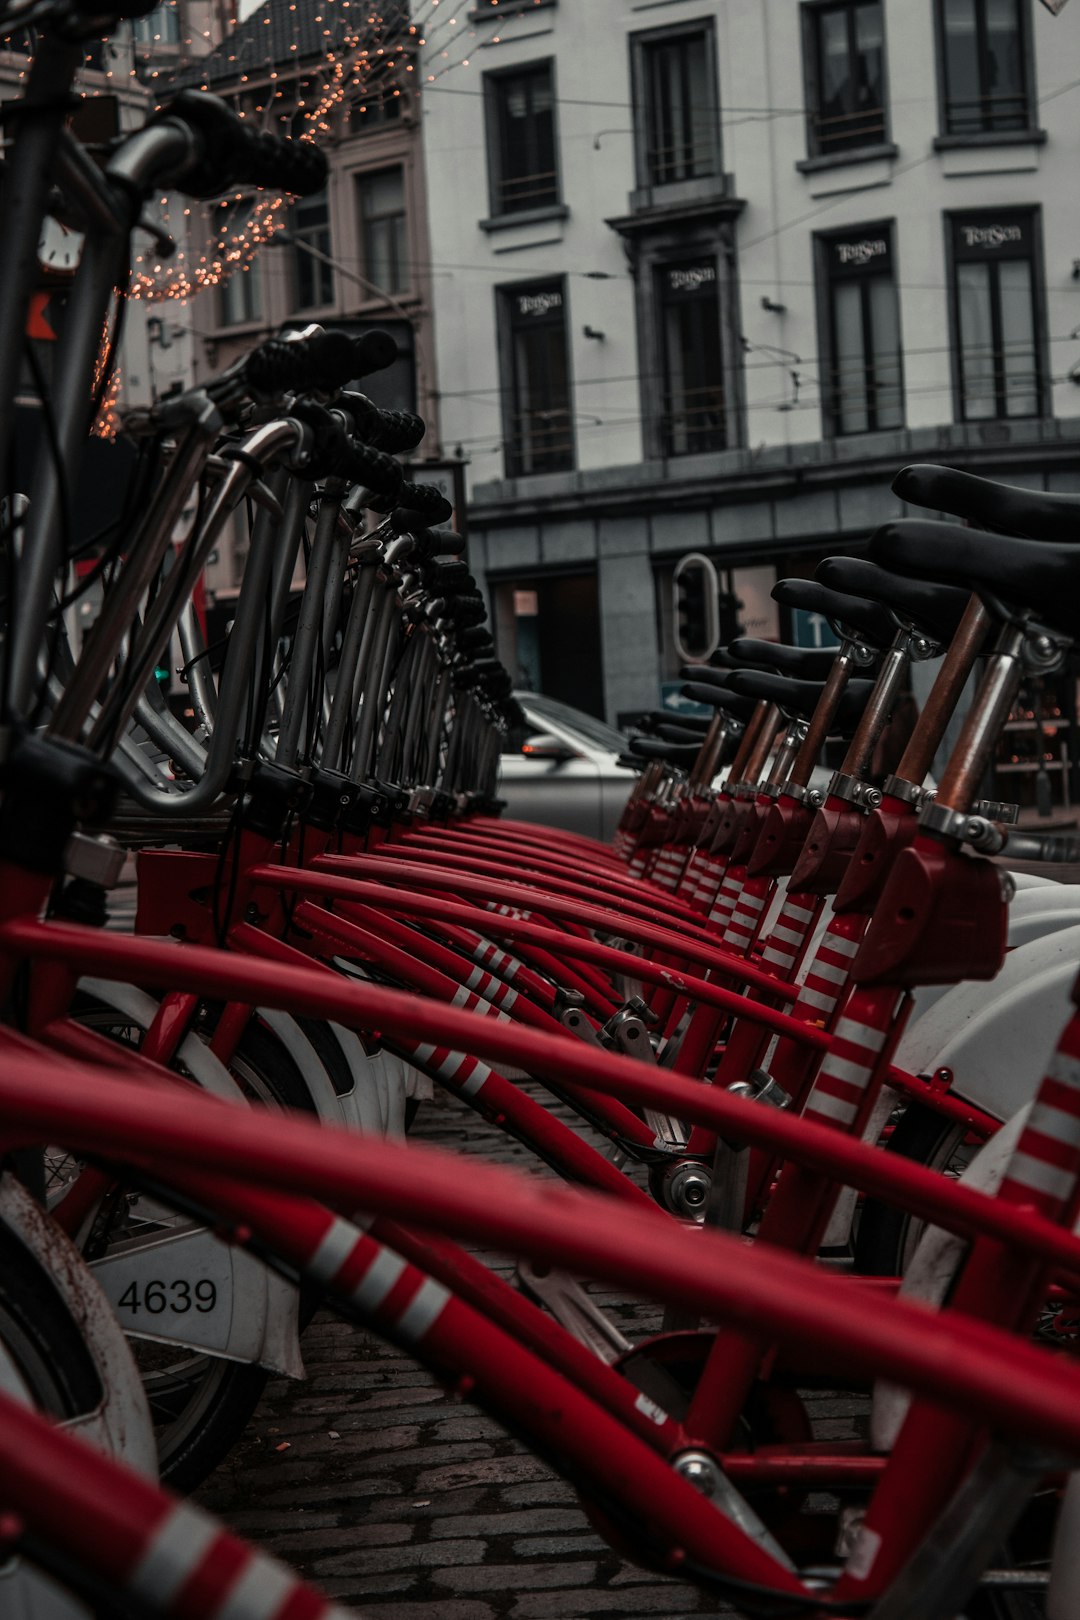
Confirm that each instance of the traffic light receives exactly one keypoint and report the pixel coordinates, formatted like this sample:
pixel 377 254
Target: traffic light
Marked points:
pixel 696 605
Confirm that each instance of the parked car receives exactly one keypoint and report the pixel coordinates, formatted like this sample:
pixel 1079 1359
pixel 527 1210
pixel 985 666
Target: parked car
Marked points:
pixel 561 770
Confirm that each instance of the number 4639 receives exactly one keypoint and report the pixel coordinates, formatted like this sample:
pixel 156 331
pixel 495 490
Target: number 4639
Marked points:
pixel 178 1296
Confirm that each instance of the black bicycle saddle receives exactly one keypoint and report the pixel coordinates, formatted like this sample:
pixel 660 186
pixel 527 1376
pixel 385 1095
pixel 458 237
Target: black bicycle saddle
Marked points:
pixel 800 698
pixel 720 697
pixel 868 621
pixel 1003 507
pixel 801 663
pixel 936 610
pixel 1035 574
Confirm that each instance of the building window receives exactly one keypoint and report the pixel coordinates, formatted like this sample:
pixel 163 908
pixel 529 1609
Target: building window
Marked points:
pixel 863 376
pixel 160 27
pixel 539 430
pixel 693 416
pixel 521 140
pixel 995 315
pixel 677 107
pixel 309 228
pixel 381 205
pixel 984 67
pixel 241 296
pixel 845 72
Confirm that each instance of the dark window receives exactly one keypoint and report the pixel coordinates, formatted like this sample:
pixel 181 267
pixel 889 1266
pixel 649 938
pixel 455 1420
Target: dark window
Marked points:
pixel 681 117
pixel 846 76
pixel 984 67
pixel 521 145
pixel 539 424
pixel 312 246
pixel 995 315
pixel 381 201
pixel 692 400
pixel 240 293
pixel 864 382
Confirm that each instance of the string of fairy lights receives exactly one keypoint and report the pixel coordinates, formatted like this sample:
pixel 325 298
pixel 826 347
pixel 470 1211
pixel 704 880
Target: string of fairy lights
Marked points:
pixel 346 53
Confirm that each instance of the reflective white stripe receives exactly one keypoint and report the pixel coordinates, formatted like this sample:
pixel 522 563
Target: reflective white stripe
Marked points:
pixel 789 935
pixel 855 1074
pixel 378 1280
pixel 826 970
pixel 1065 1068
pixel 424 1054
pixel 508 997
pixel 754 901
pixel 259 1594
pixel 735 936
pixel 423 1310
pixel 1055 1122
pixel 747 919
pixel 1039 1176
pixel 476 978
pixel 334 1249
pixel 782 958
pixel 479 1077
pixel 827 1106
pixel 814 998
pixel 840 944
pixel 860 1034
pixel 451 1065
pixel 176 1550
pixel 800 913
pixel 460 996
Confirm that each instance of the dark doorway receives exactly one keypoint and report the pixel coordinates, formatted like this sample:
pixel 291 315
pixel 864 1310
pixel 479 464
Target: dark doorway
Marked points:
pixel 549 637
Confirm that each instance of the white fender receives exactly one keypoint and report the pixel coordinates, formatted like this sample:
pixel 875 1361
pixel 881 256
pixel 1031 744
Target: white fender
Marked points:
pixel 120 1425
pixel 997 1037
pixel 266 1329
pixel 307 1060
pixel 932 1269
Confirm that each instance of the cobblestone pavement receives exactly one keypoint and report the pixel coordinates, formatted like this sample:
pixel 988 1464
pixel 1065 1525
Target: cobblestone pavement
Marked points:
pixel 398 1498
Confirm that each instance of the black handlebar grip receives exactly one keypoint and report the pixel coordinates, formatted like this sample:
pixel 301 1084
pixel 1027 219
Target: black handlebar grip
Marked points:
pixel 428 501
pixel 392 431
pixel 379 473
pixel 441 543
pixel 279 164
pixel 299 365
pixel 230 154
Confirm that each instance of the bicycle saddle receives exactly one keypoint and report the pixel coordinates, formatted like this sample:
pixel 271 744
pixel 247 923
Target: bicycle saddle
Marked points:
pixel 651 722
pixel 799 698
pixel 871 623
pixel 1034 574
pixel 801 663
pixel 936 610
pixel 669 731
pixel 1004 507
pixel 720 696
pixel 682 755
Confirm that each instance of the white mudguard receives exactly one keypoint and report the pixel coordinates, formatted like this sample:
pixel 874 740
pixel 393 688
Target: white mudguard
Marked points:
pixel 160 1285
pixel 997 1037
pixel 932 1269
pixel 119 1425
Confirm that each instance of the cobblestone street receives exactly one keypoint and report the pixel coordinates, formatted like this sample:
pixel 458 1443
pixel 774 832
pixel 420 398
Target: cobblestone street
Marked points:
pixel 398 1498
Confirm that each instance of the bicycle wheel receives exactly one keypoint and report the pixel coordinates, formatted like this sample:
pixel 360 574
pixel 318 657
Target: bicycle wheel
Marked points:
pixel 888 1237
pixel 200 1402
pixel 62 1351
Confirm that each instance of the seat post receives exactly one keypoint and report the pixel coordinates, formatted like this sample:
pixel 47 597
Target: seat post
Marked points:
pixel 982 724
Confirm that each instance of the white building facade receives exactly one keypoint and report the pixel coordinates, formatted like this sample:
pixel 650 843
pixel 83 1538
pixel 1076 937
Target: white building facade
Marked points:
pixel 706 273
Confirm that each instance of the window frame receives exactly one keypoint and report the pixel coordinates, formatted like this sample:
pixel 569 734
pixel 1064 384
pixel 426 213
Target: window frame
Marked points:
pixel 299 234
pixel 947 138
pixel 818 156
pixel 359 177
pixel 665 417
pixel 825 280
pixel 495 83
pixel 507 329
pixel 642 45
pixel 1033 216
